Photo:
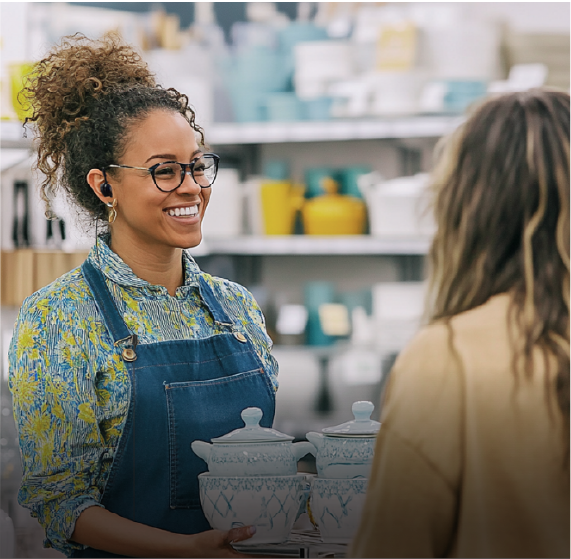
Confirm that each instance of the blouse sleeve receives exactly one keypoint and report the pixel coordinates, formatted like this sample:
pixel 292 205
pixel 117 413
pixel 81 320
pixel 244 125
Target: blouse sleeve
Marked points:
pixel 412 492
pixel 55 408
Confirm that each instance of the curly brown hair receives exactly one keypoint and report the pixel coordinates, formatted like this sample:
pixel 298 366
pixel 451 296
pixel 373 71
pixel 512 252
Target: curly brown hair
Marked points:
pixel 85 95
pixel 502 209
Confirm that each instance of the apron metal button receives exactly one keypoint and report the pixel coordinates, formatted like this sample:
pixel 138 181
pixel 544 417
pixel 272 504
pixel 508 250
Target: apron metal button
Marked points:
pixel 129 354
pixel 240 337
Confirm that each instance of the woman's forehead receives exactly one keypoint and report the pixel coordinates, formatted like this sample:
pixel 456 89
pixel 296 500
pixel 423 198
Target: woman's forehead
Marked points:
pixel 162 130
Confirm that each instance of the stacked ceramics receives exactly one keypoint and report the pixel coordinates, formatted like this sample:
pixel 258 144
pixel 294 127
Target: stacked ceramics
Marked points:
pixel 252 479
pixel 344 459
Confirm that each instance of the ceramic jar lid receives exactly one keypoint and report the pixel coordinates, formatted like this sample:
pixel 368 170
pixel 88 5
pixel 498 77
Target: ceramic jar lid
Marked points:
pixel 253 432
pixel 361 426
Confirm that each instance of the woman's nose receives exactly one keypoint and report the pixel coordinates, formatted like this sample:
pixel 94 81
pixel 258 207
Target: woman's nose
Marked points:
pixel 188 182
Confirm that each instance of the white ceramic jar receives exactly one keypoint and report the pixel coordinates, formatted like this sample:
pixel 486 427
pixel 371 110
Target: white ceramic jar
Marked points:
pixel 346 451
pixel 252 450
pixel 336 507
pixel 271 503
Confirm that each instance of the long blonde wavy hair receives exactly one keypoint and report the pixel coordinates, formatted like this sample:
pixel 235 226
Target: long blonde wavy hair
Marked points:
pixel 501 203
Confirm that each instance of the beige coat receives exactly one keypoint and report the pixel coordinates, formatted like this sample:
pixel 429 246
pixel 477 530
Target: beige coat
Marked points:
pixel 467 463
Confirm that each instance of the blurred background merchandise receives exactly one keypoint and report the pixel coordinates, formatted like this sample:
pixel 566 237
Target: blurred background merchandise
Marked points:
pixel 325 115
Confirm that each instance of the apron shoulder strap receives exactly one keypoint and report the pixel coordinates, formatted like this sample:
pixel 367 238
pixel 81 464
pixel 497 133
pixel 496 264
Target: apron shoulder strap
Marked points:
pixel 216 310
pixel 105 303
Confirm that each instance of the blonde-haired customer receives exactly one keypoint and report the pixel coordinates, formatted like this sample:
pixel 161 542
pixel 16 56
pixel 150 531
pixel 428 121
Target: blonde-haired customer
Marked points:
pixel 472 458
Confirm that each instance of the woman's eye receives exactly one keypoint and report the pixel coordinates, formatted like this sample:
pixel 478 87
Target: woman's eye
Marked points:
pixel 165 171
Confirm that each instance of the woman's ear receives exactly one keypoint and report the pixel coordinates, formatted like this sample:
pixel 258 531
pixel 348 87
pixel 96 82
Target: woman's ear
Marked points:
pixel 97 182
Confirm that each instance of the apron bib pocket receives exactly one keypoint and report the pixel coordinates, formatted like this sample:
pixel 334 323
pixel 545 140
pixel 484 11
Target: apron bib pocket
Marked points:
pixel 205 405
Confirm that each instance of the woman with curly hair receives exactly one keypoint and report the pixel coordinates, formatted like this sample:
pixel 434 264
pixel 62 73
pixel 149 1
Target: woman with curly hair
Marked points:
pixel 117 366
pixel 472 459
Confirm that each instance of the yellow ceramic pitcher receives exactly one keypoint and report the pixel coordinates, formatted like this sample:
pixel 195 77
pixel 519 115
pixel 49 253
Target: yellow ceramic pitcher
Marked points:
pixel 280 202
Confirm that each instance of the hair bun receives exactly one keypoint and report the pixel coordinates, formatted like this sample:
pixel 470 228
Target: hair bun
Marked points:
pixel 65 82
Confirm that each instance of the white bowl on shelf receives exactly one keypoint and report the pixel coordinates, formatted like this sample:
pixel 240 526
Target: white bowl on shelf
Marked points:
pixel 271 503
pixel 336 506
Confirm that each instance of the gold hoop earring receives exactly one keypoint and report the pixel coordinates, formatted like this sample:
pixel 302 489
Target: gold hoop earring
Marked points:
pixel 112 212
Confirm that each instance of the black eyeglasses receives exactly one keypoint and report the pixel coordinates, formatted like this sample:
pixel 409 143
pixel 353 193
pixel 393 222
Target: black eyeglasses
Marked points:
pixel 168 176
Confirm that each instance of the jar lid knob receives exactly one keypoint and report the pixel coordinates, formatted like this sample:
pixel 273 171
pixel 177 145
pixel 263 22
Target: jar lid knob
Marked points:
pixel 362 410
pixel 252 416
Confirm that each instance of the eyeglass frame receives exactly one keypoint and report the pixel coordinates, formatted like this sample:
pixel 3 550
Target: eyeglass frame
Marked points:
pixel 151 170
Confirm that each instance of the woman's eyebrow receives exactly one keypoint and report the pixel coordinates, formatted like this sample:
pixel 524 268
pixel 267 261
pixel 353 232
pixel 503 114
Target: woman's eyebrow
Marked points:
pixel 171 156
pixel 161 156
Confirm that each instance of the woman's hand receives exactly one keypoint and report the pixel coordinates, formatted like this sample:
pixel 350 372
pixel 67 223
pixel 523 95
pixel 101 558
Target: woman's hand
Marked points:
pixel 106 531
pixel 216 543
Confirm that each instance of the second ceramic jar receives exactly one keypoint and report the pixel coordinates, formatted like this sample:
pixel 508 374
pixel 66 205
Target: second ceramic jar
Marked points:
pixel 346 451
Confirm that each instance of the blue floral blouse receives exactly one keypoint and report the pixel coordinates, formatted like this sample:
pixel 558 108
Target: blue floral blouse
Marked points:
pixel 70 387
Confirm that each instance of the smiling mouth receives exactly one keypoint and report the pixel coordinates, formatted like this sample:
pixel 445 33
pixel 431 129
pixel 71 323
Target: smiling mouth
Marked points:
pixel 186 211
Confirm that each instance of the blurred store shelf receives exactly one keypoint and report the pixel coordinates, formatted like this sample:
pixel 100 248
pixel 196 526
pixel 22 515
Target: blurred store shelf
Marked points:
pixel 27 270
pixel 281 132
pixel 427 126
pixel 12 135
pixel 313 245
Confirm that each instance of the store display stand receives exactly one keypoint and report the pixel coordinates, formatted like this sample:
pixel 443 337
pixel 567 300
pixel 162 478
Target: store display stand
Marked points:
pixel 301 543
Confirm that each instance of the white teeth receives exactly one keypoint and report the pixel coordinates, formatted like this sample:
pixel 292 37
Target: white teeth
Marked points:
pixel 188 210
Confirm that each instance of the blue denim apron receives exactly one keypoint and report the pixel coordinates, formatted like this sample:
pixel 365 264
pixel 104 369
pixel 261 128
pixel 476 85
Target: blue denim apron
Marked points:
pixel 180 391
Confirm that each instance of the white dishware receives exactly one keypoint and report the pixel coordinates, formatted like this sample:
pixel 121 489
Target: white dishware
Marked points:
pixel 398 309
pixel 318 63
pixel 466 49
pixel 270 503
pixel 336 506
pixel 346 451
pixel 395 93
pixel 252 450
pixel 399 207
pixel 224 215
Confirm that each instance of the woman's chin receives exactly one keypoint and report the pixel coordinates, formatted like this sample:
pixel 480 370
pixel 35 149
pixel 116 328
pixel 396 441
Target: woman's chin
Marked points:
pixel 191 242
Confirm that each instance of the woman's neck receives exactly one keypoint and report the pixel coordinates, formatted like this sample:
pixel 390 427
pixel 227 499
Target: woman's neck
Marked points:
pixel 155 264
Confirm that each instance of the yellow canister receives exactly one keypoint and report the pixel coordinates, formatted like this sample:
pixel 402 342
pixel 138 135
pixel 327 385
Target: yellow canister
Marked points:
pixel 334 214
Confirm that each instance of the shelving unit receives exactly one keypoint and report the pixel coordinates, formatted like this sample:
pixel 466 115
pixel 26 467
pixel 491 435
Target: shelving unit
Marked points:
pixel 248 140
pixel 307 245
pixel 421 126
